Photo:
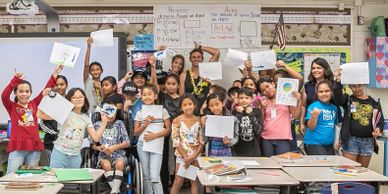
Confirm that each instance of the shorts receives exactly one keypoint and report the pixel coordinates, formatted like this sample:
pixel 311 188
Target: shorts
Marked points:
pixel 362 146
pixel 112 161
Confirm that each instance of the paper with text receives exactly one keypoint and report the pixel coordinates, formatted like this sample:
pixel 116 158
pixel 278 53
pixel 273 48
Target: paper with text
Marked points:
pixel 262 60
pixel 211 70
pixel 102 38
pixel 355 73
pixel 64 54
pixel 219 126
pixel 284 91
pixel 56 107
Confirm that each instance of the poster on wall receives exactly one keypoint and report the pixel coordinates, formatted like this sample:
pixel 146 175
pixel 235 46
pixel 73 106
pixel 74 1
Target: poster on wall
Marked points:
pixel 300 58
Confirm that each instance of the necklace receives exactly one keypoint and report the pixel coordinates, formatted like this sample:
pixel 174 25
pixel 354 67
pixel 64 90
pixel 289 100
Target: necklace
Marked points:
pixel 197 88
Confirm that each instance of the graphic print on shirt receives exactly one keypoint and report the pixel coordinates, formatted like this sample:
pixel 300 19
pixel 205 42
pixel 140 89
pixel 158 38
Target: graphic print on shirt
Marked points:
pixel 73 133
pixel 328 115
pixel 246 131
pixel 363 113
pixel 26 118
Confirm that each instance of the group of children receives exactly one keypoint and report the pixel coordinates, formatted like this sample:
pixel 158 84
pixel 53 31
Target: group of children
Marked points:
pixel 261 127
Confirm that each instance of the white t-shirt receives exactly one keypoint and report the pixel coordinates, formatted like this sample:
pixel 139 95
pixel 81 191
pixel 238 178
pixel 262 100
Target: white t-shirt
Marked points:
pixel 71 133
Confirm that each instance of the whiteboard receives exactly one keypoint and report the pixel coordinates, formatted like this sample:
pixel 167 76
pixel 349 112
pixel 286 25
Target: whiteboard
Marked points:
pixel 31 56
pixel 220 26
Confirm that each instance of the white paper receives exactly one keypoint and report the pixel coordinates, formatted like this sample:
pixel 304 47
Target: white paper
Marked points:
pixel 56 107
pixel 355 73
pixel 190 172
pixel 64 54
pixel 160 55
pixel 155 145
pixel 219 126
pixel 284 91
pixel 235 57
pixel 102 38
pixel 152 110
pixel 250 162
pixel 262 60
pixel 211 70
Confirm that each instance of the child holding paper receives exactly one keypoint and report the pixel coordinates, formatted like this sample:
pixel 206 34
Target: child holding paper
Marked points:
pixel 250 122
pixel 151 162
pixel 187 140
pixel 322 115
pixel 170 100
pixel 114 140
pixel 24 145
pixel 363 122
pixel 92 84
pixel 67 148
pixel 276 136
pixel 218 146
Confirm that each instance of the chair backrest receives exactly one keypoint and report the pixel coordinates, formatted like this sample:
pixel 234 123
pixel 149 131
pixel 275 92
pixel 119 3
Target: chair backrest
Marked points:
pixel 350 188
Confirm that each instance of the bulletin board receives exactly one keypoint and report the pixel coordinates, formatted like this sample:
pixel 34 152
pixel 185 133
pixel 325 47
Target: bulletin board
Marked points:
pixel 300 58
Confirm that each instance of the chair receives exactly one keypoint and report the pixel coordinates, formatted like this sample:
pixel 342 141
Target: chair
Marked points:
pixel 133 173
pixel 350 188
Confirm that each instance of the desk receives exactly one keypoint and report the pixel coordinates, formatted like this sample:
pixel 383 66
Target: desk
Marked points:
pixel 256 177
pixel 316 160
pixel 326 174
pixel 45 178
pixel 47 188
pixel 265 162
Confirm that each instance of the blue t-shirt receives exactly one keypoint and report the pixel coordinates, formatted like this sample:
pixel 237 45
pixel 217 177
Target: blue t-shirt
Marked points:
pixel 323 134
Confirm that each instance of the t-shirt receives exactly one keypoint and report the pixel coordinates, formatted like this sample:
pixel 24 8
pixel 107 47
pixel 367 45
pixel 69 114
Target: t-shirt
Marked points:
pixel 139 117
pixel 323 134
pixel 115 98
pixel 71 133
pixel 93 95
pixel 277 122
pixel 171 104
pixel 114 134
pixel 361 117
pixel 250 127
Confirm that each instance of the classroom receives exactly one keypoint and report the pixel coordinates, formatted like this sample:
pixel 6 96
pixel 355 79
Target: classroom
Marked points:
pixel 184 96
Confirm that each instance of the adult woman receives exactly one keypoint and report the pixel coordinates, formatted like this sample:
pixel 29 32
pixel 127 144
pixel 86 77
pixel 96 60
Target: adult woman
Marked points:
pixel 320 71
pixel 190 81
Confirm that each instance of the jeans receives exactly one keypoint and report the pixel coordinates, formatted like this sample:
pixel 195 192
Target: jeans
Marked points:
pixel 313 149
pixel 62 160
pixel 275 147
pixel 48 153
pixel 362 146
pixel 151 164
pixel 20 157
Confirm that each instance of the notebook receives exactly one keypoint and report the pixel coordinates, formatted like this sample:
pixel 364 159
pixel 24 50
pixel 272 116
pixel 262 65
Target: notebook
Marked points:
pixel 73 175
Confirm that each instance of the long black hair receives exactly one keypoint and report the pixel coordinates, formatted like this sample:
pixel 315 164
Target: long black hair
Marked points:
pixel 218 96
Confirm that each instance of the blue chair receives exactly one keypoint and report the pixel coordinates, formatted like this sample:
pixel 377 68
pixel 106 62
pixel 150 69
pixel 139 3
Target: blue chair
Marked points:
pixel 350 188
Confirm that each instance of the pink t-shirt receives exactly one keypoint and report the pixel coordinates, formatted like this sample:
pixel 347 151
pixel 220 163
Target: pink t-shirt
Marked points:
pixel 277 122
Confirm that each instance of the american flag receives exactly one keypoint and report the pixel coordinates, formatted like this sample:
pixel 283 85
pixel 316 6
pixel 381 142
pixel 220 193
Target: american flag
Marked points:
pixel 281 33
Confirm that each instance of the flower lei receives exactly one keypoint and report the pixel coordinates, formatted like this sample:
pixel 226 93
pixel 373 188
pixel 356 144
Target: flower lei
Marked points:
pixel 197 89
